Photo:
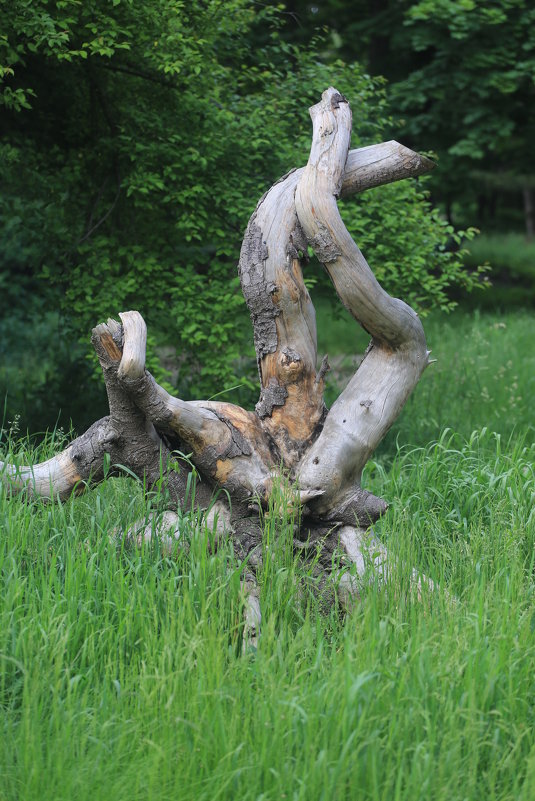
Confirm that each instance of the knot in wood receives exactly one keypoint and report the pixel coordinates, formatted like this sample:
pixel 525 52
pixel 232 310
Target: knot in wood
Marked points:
pixel 289 356
pixel 336 99
pixel 291 363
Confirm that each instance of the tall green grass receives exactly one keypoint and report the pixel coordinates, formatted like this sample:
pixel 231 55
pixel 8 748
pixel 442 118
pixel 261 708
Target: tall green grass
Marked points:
pixel 123 676
pixel 483 376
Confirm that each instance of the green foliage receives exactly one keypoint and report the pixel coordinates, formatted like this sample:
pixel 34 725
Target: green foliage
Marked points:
pixel 462 78
pixel 478 75
pixel 420 260
pixel 44 379
pixel 141 140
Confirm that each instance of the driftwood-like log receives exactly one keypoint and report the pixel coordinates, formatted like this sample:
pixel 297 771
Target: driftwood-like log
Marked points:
pixel 237 455
pixel 397 354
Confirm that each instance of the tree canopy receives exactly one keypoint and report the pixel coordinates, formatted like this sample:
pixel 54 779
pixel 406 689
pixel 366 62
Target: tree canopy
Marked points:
pixel 462 83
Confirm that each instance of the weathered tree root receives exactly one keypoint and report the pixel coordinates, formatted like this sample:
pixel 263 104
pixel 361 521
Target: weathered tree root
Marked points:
pixel 239 454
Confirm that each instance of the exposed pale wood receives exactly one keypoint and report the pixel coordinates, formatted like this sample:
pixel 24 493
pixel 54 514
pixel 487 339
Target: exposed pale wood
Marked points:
pixel 163 527
pixel 55 478
pixel 132 364
pixel 226 443
pixel 291 401
pixel 251 613
pixel 168 529
pixel 197 426
pixel 368 559
pixel 219 519
pixel 370 563
pixel 387 319
pixel 375 165
pixel 397 354
pixel 69 471
pixel 124 439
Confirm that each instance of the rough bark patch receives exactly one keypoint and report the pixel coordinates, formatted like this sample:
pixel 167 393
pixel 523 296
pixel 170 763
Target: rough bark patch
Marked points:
pixel 256 291
pixel 297 247
pixel 238 445
pixel 324 245
pixel 271 396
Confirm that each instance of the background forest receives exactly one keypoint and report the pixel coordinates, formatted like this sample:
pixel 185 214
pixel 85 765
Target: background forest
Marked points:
pixel 136 139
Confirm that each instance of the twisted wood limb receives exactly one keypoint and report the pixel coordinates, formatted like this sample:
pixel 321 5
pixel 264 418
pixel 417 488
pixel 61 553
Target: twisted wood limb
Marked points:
pixel 237 452
pixel 69 471
pixel 124 439
pixel 397 354
pixel 274 249
pixel 227 444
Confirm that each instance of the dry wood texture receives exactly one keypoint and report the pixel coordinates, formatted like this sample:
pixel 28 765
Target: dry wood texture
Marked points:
pixel 321 453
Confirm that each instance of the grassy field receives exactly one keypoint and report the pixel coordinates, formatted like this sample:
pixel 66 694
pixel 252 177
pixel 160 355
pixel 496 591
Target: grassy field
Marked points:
pixel 484 374
pixel 122 674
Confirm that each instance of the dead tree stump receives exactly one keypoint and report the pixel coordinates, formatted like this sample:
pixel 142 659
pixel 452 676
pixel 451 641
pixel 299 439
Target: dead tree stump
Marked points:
pixel 240 453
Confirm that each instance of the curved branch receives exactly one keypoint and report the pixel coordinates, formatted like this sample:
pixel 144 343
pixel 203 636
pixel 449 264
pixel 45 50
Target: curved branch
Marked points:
pixel 227 444
pixel 375 165
pixel 291 401
pixel 197 427
pixel 397 354
pixel 125 439
pixel 79 464
pixel 387 319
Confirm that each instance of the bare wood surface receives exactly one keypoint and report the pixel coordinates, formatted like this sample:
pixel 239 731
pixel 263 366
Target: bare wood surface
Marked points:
pixel 226 443
pixel 376 165
pixel 71 470
pixel 132 363
pixel 291 401
pixel 251 612
pixel 397 354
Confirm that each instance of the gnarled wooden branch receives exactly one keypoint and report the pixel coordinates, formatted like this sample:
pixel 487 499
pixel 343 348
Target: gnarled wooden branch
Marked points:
pixel 397 354
pixel 235 452
pixel 291 401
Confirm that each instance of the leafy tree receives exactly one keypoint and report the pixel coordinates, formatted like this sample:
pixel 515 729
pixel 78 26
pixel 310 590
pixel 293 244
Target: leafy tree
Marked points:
pixel 462 76
pixel 474 92
pixel 136 137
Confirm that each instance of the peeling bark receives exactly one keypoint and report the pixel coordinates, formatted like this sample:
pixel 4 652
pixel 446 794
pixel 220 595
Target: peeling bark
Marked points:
pixel 238 455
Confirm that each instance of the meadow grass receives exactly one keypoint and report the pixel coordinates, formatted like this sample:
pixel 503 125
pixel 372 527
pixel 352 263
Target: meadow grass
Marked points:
pixel 123 673
pixel 484 374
